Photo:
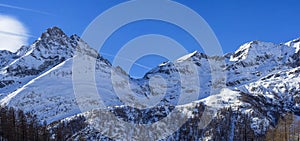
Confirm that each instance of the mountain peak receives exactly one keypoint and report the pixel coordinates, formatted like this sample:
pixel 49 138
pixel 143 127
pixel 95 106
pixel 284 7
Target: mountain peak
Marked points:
pixel 195 54
pixel 5 52
pixel 294 43
pixel 53 31
pixel 252 49
pixel 55 37
pixel 295 40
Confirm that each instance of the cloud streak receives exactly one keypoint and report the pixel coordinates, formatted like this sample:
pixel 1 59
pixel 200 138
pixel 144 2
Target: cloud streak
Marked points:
pixel 25 9
pixel 13 34
pixel 17 34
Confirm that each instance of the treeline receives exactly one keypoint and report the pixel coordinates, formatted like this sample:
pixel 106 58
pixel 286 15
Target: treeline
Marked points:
pixel 65 130
pixel 232 125
pixel 287 129
pixel 229 122
pixel 15 125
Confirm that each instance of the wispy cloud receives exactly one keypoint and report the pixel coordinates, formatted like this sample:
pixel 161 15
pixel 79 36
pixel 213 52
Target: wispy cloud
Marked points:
pixel 24 9
pixel 17 34
pixel 13 33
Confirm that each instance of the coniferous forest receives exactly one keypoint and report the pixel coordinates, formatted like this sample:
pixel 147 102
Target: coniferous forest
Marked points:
pixel 15 125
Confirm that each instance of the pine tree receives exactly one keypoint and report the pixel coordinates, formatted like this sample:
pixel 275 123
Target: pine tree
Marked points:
pixel 22 125
pixel 283 130
pixel 44 132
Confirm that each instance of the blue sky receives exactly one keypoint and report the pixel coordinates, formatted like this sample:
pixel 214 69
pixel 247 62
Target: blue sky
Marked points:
pixel 233 21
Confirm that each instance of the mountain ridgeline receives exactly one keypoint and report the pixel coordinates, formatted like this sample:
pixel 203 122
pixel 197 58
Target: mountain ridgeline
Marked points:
pixel 257 94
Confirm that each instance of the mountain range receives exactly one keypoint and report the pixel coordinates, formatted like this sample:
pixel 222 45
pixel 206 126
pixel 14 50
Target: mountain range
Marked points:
pixel 259 81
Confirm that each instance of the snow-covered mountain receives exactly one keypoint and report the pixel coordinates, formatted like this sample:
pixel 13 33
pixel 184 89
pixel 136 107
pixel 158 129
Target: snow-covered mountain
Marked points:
pixel 260 79
pixel 294 43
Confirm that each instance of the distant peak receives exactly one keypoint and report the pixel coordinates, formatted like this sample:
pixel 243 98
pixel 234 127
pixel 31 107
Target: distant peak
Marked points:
pixel 255 42
pixel 195 54
pixel 23 50
pixel 252 48
pixel 295 40
pixel 53 31
pixel 251 44
pixel 291 42
pixel 294 43
pixel 5 52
